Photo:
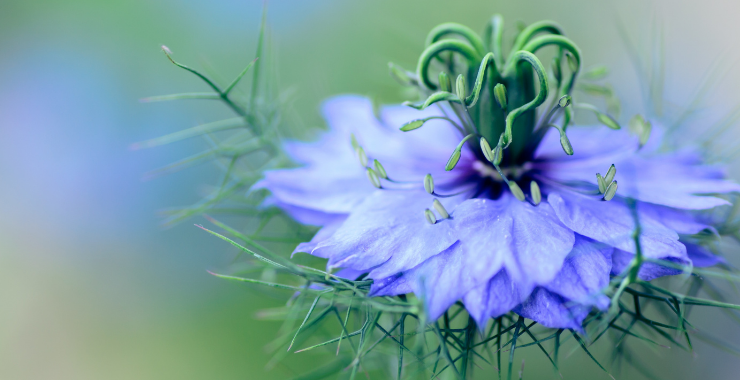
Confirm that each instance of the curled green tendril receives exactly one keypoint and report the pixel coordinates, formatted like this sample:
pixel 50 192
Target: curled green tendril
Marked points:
pixel 440 96
pixel 537 101
pixel 532 30
pixel 463 31
pixel 563 42
pixel 445 45
pixel 494 36
pixel 489 59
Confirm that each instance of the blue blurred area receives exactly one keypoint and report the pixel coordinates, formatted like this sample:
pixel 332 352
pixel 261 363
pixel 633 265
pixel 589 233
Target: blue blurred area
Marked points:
pixel 91 286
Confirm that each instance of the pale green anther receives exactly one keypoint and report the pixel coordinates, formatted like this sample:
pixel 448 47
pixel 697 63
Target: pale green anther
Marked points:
pixel 486 148
pixel 373 176
pixel 557 72
pixel 607 120
pixel 444 82
pixel 452 162
pixel 641 127
pixel 413 124
pixel 399 74
pixel 430 216
pixel 362 156
pixel 440 209
pixel 645 135
pixel 353 141
pixel 516 190
pixel 601 182
pixel 498 155
pixel 534 190
pixel 598 72
pixel 564 101
pixel 429 183
pixel 611 191
pixel 565 143
pixel 380 169
pixel 609 177
pixel 572 63
pixel 461 87
pixel 499 92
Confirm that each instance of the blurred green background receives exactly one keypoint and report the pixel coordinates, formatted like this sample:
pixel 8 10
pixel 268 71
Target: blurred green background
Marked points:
pixel 92 287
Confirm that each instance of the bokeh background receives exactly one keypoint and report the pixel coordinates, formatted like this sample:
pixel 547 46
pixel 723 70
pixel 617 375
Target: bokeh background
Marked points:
pixel 92 286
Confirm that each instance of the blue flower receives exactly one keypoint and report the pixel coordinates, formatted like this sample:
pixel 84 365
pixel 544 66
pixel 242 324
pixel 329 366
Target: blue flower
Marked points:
pixel 545 260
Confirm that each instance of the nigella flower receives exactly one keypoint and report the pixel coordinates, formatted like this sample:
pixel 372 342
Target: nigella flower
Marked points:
pixel 525 224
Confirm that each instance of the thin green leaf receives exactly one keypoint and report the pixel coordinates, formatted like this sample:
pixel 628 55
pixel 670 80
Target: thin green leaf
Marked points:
pixel 239 77
pixel 187 95
pixel 216 126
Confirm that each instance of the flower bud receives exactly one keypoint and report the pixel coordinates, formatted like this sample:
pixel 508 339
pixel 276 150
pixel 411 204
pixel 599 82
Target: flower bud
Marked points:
pixel 534 190
pixel 516 190
pixel 609 177
pixel 440 209
pixel 610 191
pixel 444 82
pixel 430 216
pixel 452 162
pixel 373 176
pixel 499 92
pixel 353 141
pixel 380 169
pixel 461 87
pixel 486 148
pixel 429 183
pixel 362 156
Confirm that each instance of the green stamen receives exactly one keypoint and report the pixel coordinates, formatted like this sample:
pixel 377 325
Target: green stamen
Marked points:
pixel 610 191
pixel 534 190
pixel 373 176
pixel 440 209
pixel 429 183
pixel 610 174
pixel 430 216
pixel 380 169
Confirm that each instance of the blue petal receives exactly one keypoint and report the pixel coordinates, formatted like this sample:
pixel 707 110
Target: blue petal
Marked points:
pixel 612 223
pixel 702 257
pixel 670 180
pixel 323 234
pixel 648 271
pixel 388 232
pixel 333 181
pixel 585 273
pixel 495 298
pixel 528 241
pixel 552 310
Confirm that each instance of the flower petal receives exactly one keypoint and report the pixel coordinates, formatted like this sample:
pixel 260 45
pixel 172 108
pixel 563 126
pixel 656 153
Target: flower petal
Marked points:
pixel 493 234
pixel 612 223
pixel 388 231
pixel 495 298
pixel 552 310
pixel 585 273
